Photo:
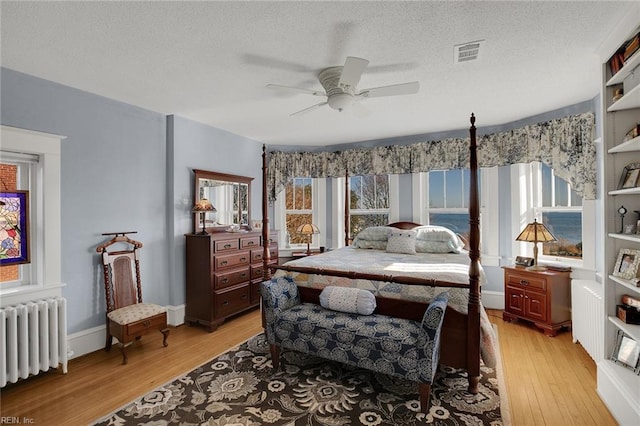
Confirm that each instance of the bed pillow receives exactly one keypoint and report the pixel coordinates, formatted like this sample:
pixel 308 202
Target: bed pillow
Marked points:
pixel 348 299
pixel 437 239
pixel 373 237
pixel 402 241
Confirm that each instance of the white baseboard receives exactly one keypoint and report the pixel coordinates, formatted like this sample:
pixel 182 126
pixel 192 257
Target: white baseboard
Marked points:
pixel 618 400
pixel 493 300
pixel 93 339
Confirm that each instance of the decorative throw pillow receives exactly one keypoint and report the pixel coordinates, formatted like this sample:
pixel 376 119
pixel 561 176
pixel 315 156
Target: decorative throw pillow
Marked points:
pixel 348 299
pixel 402 242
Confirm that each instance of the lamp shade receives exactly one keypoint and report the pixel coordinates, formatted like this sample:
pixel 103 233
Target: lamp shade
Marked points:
pixel 308 229
pixel 203 205
pixel 536 232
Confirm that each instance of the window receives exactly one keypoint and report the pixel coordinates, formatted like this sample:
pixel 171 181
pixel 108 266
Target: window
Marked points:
pixel 298 207
pixel 448 198
pixel 561 212
pixel 42 278
pixel 368 202
pixel 16 173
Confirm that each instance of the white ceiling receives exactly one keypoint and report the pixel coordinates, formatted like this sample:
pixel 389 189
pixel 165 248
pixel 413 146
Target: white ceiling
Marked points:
pixel 210 61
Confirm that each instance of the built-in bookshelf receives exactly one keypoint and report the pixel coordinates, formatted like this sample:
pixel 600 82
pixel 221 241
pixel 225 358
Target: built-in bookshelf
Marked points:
pixel 619 384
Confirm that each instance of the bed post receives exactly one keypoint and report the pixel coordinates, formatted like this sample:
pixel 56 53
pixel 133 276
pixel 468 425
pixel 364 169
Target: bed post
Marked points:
pixel 266 257
pixel 473 318
pixel 346 207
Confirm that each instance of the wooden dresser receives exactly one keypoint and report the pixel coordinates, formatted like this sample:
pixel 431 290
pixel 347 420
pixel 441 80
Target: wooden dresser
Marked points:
pixel 542 297
pixel 224 271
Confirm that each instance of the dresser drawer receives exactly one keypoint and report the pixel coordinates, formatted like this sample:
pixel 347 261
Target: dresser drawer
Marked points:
pixel 226 245
pixel 231 301
pixel 249 242
pixel 256 255
pixel 257 271
pixel 526 281
pixel 225 261
pixel 233 277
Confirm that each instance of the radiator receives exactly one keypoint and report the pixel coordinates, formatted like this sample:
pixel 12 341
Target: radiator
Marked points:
pixel 33 337
pixel 587 317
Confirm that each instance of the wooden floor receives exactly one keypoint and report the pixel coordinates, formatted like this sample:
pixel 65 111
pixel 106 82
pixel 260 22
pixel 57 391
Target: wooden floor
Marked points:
pixel 550 381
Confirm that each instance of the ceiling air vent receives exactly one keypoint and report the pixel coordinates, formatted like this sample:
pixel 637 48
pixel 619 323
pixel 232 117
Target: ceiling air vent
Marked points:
pixel 467 52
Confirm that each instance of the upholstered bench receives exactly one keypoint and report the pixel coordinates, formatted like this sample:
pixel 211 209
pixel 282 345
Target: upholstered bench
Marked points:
pixel 359 337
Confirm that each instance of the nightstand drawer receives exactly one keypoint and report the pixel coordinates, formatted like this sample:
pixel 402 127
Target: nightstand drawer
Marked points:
pixel 527 281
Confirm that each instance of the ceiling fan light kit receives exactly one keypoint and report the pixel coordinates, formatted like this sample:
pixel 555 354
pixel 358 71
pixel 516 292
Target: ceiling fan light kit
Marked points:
pixel 340 84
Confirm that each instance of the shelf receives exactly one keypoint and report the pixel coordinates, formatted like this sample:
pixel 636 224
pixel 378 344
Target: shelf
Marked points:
pixel 627 237
pixel 630 100
pixel 631 285
pixel 628 146
pixel 623 72
pixel 625 191
pixel 631 329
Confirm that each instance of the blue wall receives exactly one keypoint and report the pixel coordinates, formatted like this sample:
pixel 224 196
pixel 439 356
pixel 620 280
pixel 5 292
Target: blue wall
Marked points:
pixel 122 171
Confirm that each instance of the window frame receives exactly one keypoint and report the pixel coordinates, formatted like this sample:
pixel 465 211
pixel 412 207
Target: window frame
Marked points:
pixel 392 211
pixel 318 215
pixel 45 221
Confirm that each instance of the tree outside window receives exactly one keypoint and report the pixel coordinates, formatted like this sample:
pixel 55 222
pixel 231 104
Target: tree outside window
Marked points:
pixel 368 202
pixel 298 207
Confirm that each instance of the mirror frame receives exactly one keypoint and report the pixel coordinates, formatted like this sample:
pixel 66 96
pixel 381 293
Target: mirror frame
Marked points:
pixel 206 174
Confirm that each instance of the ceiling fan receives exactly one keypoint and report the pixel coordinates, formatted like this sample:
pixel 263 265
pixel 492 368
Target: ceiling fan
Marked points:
pixel 340 86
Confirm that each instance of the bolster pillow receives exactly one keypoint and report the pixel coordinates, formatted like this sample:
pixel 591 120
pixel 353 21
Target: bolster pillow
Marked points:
pixel 348 299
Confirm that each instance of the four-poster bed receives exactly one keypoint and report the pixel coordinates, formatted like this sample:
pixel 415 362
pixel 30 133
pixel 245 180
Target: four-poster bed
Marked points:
pixel 461 339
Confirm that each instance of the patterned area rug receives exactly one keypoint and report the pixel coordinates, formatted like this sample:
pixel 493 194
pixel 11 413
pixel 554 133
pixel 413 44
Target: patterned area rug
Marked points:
pixel 240 388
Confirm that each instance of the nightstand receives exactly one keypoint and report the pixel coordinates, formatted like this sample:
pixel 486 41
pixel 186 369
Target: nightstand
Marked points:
pixel 299 254
pixel 540 297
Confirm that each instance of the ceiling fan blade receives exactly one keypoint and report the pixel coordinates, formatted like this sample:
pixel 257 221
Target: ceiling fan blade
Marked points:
pixel 352 71
pixel 311 108
pixel 297 89
pixel 392 90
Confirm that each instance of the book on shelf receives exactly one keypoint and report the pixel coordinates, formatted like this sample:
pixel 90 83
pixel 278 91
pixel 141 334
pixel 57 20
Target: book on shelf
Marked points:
pixel 632 46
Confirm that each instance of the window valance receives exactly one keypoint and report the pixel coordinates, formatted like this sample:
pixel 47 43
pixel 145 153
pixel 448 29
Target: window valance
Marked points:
pixel 565 144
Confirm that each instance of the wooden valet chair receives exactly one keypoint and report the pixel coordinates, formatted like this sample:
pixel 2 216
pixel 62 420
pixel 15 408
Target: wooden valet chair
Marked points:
pixel 128 318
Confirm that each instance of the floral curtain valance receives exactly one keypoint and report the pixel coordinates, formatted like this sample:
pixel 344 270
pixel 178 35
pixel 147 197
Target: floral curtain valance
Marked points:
pixel 564 144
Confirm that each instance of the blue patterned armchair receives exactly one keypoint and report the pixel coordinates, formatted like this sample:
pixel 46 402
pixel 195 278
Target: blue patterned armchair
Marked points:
pixel 388 345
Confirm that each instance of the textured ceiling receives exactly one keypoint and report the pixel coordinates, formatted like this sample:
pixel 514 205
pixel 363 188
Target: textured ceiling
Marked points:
pixel 210 61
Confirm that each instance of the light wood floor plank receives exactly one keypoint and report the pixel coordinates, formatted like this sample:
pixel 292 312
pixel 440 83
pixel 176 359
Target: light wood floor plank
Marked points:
pixel 550 381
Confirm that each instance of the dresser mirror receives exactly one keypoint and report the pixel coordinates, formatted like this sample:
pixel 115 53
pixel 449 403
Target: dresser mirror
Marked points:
pixel 230 195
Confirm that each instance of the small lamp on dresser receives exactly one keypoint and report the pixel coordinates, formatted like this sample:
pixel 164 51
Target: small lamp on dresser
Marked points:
pixel 535 233
pixel 203 206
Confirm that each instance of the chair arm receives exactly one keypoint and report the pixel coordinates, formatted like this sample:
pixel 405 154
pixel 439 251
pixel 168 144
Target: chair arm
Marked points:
pixel 432 321
pixel 278 294
pixel 434 316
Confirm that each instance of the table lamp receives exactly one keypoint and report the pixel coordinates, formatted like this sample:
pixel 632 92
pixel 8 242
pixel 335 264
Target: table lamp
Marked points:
pixel 203 206
pixel 308 229
pixel 536 233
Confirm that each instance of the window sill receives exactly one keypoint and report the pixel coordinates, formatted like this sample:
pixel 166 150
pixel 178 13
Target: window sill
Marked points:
pixel 27 293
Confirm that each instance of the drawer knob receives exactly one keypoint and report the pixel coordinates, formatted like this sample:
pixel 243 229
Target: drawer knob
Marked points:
pixel 147 323
pixel 524 282
pixel 243 275
pixel 250 243
pixel 224 262
pixel 243 259
pixel 225 280
pixel 244 296
pixel 227 246
pixel 225 302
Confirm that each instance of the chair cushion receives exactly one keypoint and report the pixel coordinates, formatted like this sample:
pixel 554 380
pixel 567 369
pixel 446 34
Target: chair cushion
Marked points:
pixel 132 313
pixel 348 299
